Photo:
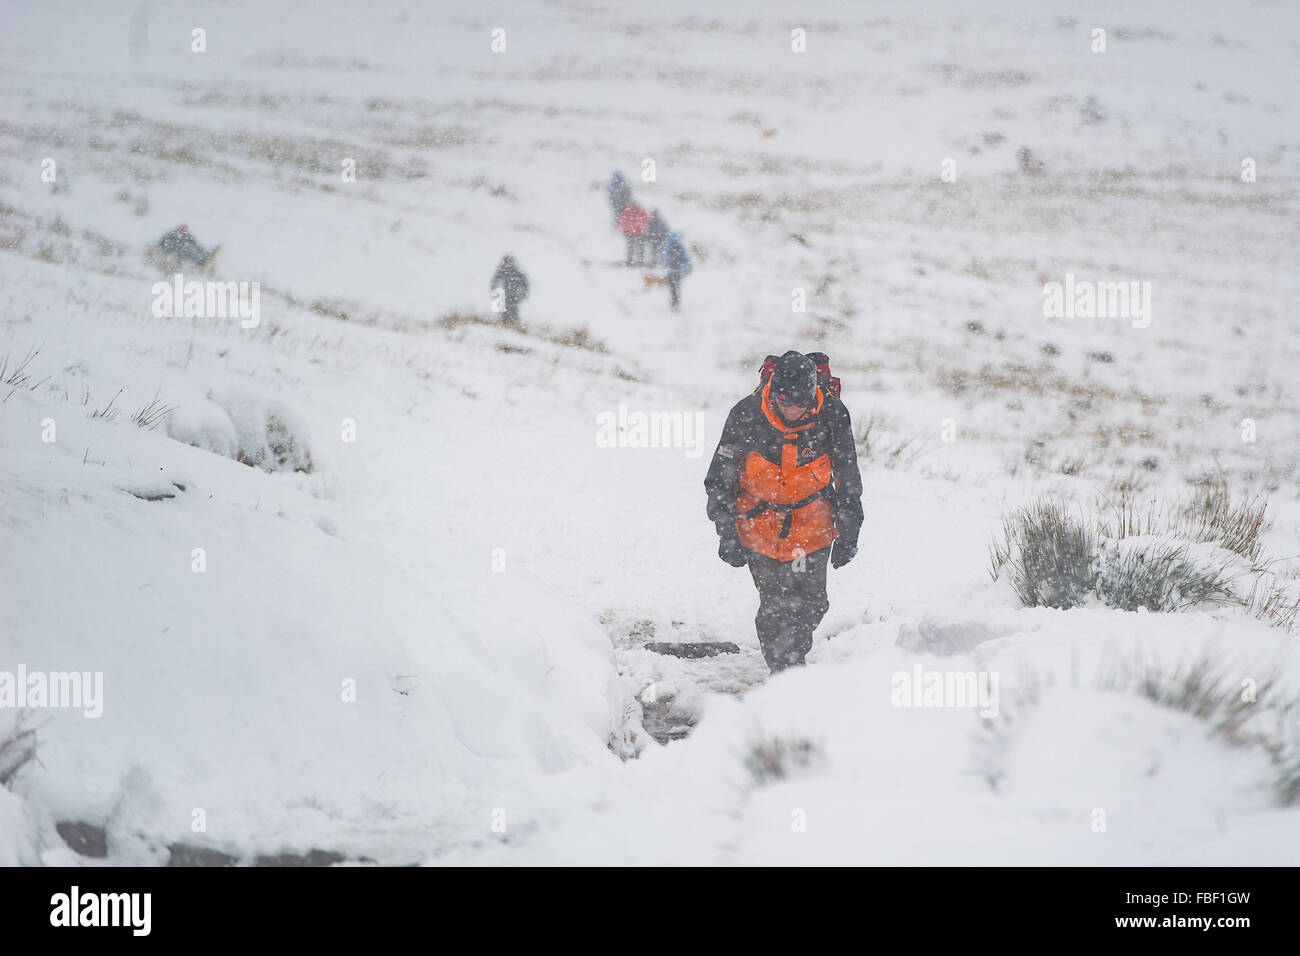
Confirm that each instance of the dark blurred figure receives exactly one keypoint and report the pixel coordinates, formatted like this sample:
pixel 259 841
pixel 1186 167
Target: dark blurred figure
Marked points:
pixel 177 248
pixel 512 284
pixel 656 231
pixel 1029 163
pixel 678 261
pixel 620 194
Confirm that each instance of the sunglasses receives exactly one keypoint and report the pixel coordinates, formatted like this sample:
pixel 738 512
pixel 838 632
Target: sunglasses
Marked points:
pixel 792 407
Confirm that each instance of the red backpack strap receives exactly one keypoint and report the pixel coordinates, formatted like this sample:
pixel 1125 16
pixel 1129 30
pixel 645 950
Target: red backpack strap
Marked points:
pixel 765 372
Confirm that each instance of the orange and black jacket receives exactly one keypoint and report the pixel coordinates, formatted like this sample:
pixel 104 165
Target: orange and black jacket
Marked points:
pixel 786 489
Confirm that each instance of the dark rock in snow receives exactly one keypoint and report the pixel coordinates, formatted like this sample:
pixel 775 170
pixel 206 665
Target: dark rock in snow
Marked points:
pixel 313 858
pixel 692 650
pixel 185 854
pixel 85 838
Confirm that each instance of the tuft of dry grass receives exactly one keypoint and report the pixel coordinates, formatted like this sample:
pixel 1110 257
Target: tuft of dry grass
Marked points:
pixel 1241 713
pixel 575 338
pixel 1073 466
pixel 870 435
pixel 1135 482
pixel 17 377
pixel 1159 577
pixel 109 412
pixel 16 750
pixel 1212 516
pixel 1208 516
pixel 1048 556
pixel 1273 601
pixel 152 415
pixel 773 758
pixel 1145 555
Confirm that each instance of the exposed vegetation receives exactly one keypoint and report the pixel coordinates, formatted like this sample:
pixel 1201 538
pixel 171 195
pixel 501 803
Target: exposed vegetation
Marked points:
pixel 1202 550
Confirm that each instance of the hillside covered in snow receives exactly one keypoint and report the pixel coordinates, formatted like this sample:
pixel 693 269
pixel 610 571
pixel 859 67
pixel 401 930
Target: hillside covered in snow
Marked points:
pixel 363 570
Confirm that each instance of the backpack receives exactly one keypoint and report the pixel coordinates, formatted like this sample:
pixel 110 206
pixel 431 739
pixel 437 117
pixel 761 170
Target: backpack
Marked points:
pixel 633 220
pixel 675 255
pixel 825 380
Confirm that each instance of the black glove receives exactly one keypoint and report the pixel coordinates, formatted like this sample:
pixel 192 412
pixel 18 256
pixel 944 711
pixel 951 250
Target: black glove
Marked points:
pixel 843 551
pixel 731 550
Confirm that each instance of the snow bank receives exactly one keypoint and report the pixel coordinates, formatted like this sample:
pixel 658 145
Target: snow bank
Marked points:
pixel 267 686
pixel 270 434
pixel 1061 771
pixel 204 424
pixel 16 847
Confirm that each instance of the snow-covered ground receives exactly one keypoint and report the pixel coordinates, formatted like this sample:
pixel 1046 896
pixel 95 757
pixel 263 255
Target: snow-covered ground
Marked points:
pixel 428 648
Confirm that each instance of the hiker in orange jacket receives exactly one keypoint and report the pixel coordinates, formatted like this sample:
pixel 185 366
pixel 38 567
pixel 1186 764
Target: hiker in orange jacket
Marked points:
pixel 785 495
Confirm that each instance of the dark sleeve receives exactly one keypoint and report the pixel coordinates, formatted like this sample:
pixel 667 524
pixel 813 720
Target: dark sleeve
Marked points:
pixel 848 480
pixel 523 281
pixel 724 470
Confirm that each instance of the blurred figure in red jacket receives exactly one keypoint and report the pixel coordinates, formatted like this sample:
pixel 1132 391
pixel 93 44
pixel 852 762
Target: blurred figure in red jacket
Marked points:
pixel 633 221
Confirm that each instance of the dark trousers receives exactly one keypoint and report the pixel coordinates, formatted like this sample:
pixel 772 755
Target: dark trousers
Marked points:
pixel 635 251
pixel 674 291
pixel 511 311
pixel 791 603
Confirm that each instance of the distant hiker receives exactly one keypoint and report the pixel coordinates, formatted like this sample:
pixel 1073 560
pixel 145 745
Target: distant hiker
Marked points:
pixel 656 231
pixel 620 194
pixel 678 260
pixel 509 288
pixel 633 220
pixel 1029 163
pixel 785 494
pixel 178 248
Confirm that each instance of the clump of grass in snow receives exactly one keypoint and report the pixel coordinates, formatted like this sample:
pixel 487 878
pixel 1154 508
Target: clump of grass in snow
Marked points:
pixel 773 758
pixel 1141 555
pixel 1159 576
pixel 18 377
pixel 149 417
pixel 1072 466
pixel 1048 556
pixel 1211 516
pixel 1273 601
pixel 110 411
pixel 1242 713
pixel 16 750
pixel 1135 482
pixel 153 414
pixel 1207 516
pixel 578 338
pixel 454 320
pixel 888 450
